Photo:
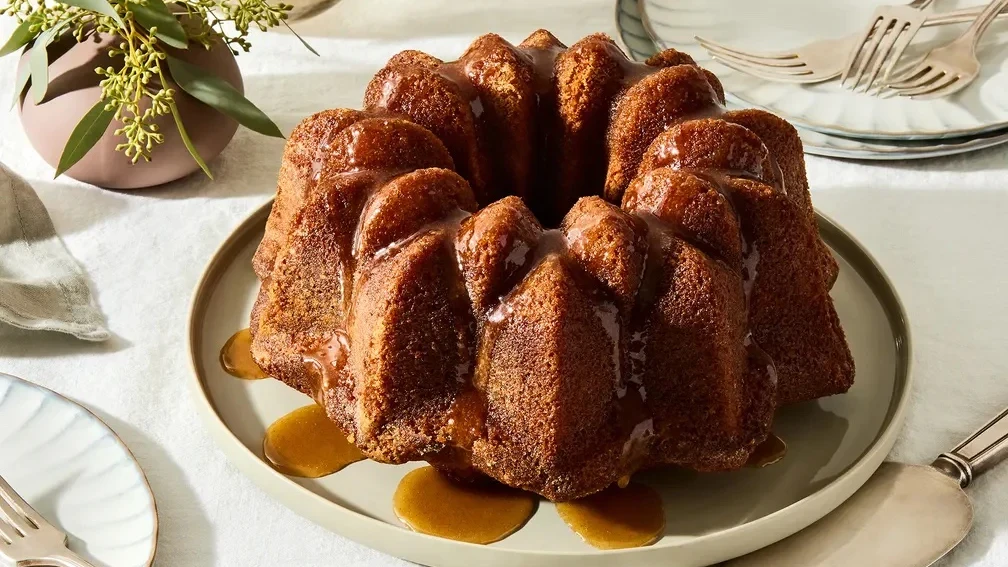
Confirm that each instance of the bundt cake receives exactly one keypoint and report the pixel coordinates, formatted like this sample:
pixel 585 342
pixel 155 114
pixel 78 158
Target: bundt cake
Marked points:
pixel 551 266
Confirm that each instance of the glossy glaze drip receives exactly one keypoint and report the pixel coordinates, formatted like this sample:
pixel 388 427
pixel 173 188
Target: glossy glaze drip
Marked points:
pixel 636 425
pixel 636 419
pixel 321 152
pixel 378 180
pixel 236 357
pixel 327 361
pixel 430 503
pixel 306 443
pixel 722 181
pixel 647 294
pixel 543 61
pixel 448 224
pixel 758 358
pixel 550 243
pixel 768 452
pixel 457 73
pixel 467 413
pixel 632 71
pixel 609 317
pixel 616 518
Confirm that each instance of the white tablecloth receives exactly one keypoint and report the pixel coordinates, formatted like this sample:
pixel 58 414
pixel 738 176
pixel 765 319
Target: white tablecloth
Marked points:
pixel 938 228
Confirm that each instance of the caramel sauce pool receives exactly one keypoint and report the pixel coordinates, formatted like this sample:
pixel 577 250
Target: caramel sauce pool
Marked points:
pixel 616 518
pixel 308 444
pixel 236 358
pixel 767 452
pixel 430 503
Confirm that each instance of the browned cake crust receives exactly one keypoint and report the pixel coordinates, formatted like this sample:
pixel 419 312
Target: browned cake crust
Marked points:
pixel 414 283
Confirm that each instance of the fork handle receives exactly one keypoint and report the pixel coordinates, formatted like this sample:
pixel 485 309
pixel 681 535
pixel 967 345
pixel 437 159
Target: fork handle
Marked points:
pixel 64 558
pixel 985 19
pixel 956 17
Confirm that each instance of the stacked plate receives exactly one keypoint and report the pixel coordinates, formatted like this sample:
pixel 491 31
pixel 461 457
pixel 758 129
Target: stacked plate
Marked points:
pixel 832 121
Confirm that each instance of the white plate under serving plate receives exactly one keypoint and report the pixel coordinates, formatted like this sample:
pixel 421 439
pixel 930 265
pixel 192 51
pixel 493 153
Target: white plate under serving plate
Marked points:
pixel 640 46
pixel 74 470
pixel 775 25
pixel 835 444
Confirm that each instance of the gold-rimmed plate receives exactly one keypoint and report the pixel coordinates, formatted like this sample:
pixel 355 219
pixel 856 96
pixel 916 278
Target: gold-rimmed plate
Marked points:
pixel 78 474
pixel 835 444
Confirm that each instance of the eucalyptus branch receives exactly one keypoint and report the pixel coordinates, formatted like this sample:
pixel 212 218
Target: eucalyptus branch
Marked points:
pixel 140 90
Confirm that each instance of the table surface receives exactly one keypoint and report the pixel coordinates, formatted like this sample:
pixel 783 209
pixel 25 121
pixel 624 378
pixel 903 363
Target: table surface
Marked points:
pixel 937 227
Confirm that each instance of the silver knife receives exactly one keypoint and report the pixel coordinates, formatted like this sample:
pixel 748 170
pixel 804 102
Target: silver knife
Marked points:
pixel 904 516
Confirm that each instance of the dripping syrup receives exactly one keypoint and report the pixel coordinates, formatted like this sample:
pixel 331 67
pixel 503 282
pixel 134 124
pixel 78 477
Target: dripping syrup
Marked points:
pixel 306 443
pixel 236 357
pixel 431 503
pixel 616 518
pixel 767 452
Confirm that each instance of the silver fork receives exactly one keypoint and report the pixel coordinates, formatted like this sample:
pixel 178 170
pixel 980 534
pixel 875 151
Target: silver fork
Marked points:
pixel 949 69
pixel 26 539
pixel 814 62
pixel 889 25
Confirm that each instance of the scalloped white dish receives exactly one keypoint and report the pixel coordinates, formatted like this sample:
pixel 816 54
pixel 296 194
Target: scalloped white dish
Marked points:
pixel 785 24
pixel 835 443
pixel 640 46
pixel 74 470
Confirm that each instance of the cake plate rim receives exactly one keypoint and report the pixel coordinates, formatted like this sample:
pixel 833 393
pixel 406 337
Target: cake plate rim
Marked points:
pixel 709 548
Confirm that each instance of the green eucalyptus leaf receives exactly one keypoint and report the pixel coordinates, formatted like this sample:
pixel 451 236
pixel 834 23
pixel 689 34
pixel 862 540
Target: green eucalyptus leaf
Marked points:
pixel 154 14
pixel 188 142
pixel 218 93
pixel 85 135
pixel 21 36
pixel 38 60
pixel 98 6
pixel 303 42
pixel 24 73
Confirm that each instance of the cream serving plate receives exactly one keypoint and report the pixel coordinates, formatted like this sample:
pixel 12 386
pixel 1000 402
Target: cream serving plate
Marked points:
pixel 776 25
pixel 835 444
pixel 78 474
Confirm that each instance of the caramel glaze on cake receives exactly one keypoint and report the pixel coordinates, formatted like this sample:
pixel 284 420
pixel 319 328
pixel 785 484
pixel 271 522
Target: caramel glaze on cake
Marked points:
pixel 551 266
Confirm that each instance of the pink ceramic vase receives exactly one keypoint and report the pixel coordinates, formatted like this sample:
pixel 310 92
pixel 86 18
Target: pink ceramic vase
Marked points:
pixel 73 90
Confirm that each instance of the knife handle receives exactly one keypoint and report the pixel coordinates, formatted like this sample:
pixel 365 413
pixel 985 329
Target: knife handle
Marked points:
pixel 987 447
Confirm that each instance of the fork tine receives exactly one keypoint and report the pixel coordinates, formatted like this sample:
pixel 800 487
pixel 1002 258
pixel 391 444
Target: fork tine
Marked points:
pixel 758 59
pixel 920 81
pixel 763 74
pixel 14 518
pixel 937 84
pixel 869 50
pixel 762 54
pixel 8 493
pixel 774 71
pixel 739 56
pixel 897 53
pixel 884 52
pixel 911 78
pixel 955 85
pixel 7 533
pixel 858 46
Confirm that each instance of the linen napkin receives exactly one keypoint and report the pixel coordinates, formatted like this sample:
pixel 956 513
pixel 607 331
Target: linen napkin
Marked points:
pixel 41 286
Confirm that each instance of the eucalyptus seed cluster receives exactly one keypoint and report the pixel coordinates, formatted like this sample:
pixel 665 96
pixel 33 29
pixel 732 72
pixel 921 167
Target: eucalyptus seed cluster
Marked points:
pixel 137 92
